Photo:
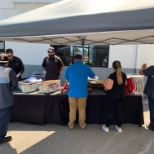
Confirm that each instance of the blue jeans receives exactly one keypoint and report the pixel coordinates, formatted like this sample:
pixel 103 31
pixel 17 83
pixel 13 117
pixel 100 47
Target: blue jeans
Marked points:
pixel 151 109
pixel 4 121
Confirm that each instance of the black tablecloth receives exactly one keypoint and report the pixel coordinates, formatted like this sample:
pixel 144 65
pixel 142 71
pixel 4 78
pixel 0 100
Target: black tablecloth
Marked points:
pixel 42 109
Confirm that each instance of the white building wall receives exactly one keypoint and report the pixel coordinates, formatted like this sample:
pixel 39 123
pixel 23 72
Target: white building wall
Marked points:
pixel 10 8
pixel 19 8
pixel 126 54
pixel 36 1
pixel 152 55
pixel 6 4
pixel 145 54
pixel 2 14
pixel 31 54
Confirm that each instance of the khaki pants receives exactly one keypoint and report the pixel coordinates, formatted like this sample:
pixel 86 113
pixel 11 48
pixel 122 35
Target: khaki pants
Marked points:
pixel 80 104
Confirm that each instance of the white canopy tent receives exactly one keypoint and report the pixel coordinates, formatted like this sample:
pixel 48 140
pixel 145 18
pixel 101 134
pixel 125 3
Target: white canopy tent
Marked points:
pixel 78 22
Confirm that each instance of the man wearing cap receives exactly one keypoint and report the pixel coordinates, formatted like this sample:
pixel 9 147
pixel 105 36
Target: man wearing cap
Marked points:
pixel 77 76
pixel 53 65
pixel 8 81
pixel 15 63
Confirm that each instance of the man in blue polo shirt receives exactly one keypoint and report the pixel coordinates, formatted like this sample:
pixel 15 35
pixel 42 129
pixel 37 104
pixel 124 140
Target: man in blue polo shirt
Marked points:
pixel 77 75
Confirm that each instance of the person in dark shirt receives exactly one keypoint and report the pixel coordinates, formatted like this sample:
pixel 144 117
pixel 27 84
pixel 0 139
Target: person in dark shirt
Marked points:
pixel 115 96
pixel 15 63
pixel 149 91
pixel 52 65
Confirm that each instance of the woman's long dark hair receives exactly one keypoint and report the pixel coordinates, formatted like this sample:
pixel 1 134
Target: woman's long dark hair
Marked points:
pixel 117 66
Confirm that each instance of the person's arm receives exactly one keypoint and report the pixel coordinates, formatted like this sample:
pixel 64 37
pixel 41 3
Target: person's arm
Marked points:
pixel 91 73
pixel 144 66
pixel 44 64
pixel 13 79
pixel 22 68
pixel 61 65
pixel 62 68
pixel 44 68
pixel 108 84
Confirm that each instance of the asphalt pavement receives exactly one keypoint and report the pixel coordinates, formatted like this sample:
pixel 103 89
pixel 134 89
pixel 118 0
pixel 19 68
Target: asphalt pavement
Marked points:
pixel 57 139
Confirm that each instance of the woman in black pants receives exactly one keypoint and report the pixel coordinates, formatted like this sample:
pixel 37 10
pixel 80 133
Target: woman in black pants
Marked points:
pixel 115 96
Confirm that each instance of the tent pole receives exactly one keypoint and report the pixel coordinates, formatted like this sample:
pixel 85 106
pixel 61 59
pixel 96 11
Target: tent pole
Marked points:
pixel 83 48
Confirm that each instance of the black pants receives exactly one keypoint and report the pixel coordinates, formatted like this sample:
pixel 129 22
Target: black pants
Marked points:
pixel 114 109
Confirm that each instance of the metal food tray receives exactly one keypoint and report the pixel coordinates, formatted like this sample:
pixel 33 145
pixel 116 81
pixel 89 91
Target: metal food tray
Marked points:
pixel 28 87
pixel 51 86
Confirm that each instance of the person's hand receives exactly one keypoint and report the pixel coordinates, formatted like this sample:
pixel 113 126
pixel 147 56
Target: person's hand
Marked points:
pixel 100 82
pixel 18 75
pixel 144 66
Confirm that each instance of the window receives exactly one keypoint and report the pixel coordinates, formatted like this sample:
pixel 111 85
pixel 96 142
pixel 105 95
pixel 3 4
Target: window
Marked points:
pixel 64 52
pixel 93 55
pixel 2 47
pixel 100 54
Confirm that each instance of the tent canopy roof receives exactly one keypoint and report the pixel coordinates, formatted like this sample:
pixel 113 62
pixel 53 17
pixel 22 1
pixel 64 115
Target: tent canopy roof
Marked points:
pixel 89 22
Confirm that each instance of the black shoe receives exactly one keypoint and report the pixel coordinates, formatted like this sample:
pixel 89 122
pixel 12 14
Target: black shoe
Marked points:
pixel 150 128
pixel 6 139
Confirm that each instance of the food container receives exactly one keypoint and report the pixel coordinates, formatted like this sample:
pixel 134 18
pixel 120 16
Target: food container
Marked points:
pixel 49 86
pixel 95 86
pixel 27 87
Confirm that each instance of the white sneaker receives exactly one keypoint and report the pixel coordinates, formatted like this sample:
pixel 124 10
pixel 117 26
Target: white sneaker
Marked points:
pixel 106 129
pixel 118 129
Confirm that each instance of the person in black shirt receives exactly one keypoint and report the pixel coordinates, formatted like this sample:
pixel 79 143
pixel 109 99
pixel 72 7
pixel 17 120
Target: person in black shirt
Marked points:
pixel 52 65
pixel 115 96
pixel 15 63
pixel 149 91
